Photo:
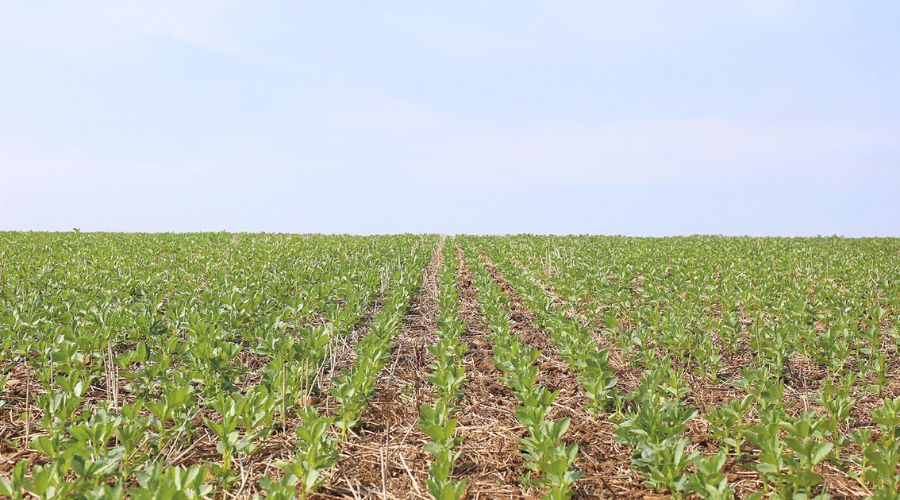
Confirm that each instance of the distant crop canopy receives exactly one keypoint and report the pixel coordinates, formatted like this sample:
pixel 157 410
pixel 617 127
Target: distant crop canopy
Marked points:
pixel 296 365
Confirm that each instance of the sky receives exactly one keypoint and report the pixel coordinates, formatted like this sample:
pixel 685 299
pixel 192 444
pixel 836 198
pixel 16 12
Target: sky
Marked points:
pixel 642 118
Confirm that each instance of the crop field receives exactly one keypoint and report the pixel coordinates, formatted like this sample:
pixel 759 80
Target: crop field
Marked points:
pixel 219 365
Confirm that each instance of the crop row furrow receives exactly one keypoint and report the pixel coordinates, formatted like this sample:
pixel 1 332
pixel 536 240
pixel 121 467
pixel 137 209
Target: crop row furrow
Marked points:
pixel 548 458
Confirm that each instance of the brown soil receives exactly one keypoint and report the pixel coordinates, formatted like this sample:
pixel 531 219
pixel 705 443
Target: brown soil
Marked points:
pixel 23 390
pixel 343 355
pixel 490 459
pixel 803 383
pixel 384 457
pixel 604 462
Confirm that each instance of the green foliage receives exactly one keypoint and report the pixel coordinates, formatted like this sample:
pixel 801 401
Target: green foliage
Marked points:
pixel 708 482
pixel 174 482
pixel 880 460
pixel 142 345
pixel 548 458
pixel 728 421
pixel 447 375
pixel 652 425
pixel 133 348
pixel 436 423
pixel 317 452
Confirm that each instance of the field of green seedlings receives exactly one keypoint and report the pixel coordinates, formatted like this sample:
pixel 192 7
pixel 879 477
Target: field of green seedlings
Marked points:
pixel 220 365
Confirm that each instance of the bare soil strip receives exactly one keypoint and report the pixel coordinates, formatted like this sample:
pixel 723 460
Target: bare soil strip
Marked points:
pixel 490 459
pixel 384 459
pixel 604 462
pixel 342 351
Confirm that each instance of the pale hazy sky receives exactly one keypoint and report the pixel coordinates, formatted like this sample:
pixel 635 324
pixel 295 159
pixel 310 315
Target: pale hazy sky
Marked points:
pixel 647 118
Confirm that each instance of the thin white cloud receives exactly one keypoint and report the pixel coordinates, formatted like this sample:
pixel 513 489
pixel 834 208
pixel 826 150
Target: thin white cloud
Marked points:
pixel 123 99
pixel 94 27
pixel 448 148
pixel 549 32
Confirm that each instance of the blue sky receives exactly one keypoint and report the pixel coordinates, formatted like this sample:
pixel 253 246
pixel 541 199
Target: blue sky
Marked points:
pixel 644 118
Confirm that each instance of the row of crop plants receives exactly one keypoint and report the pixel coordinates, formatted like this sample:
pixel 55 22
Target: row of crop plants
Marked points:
pixel 447 375
pixel 548 457
pixel 651 420
pixel 826 299
pixel 670 303
pixel 136 347
pixel 572 338
pixel 319 434
pixel 139 346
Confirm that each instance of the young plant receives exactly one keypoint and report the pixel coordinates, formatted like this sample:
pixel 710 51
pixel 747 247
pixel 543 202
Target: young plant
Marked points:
pixel 447 374
pixel 804 437
pixel 727 423
pixel 708 482
pixel 664 464
pixel 436 423
pixel 230 440
pixel 837 401
pixel 881 458
pixel 317 452
pixel 174 482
